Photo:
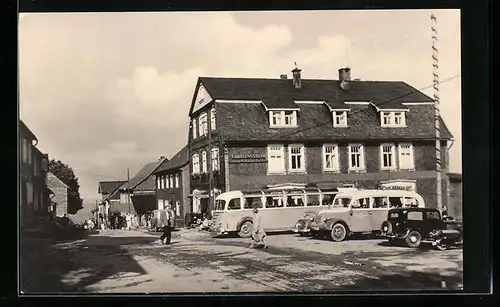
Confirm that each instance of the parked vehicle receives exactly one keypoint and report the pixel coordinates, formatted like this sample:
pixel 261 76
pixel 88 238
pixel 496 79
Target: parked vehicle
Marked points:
pixel 413 226
pixel 303 225
pixel 280 208
pixel 360 211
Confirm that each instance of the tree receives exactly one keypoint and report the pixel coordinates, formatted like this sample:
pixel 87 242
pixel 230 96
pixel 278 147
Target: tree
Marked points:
pixel 66 174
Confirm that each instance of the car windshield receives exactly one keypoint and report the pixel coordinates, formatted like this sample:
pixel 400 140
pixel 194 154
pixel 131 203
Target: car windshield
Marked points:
pixel 342 202
pixel 220 204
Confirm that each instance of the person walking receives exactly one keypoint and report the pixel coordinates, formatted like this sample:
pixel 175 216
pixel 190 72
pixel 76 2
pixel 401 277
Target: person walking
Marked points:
pixel 166 227
pixel 258 233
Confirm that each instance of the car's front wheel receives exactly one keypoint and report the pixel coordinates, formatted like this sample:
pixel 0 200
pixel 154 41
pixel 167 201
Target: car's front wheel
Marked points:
pixel 414 239
pixel 339 232
pixel 245 230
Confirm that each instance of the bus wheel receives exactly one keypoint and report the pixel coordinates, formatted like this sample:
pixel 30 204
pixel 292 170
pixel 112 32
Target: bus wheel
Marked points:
pixel 339 232
pixel 245 230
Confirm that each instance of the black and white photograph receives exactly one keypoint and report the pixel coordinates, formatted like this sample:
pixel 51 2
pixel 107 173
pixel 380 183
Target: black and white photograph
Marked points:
pixel 240 151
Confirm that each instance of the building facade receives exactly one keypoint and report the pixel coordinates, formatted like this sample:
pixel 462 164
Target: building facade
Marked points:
pixel 138 195
pixel 251 133
pixel 172 186
pixel 455 208
pixel 34 194
pixel 60 194
pixel 107 191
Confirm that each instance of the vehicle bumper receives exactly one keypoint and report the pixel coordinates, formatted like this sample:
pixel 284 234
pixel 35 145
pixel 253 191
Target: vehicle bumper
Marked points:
pixel 217 231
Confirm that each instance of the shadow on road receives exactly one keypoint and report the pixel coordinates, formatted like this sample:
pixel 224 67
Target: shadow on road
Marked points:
pixel 50 267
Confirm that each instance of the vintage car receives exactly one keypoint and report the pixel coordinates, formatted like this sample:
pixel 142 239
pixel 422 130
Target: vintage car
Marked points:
pixel 302 227
pixel 413 226
pixel 360 211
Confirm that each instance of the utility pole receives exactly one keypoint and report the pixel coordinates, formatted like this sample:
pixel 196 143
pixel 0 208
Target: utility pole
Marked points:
pixel 435 74
pixel 128 189
pixel 210 168
pixel 97 214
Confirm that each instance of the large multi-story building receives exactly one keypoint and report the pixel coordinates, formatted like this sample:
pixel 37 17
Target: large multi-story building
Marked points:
pixel 172 185
pixel 252 133
pixel 34 194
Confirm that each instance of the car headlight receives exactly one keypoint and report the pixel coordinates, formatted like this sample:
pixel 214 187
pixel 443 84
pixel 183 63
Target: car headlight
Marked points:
pixel 385 228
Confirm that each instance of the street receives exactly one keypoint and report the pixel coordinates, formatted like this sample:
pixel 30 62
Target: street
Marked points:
pixel 134 261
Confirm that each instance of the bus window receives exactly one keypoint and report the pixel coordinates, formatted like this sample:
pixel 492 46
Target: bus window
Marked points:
pixel 294 201
pixel 396 202
pixel 312 200
pixel 342 202
pixel 361 203
pixel 250 201
pixel 410 202
pixel 380 202
pixel 274 202
pixel 220 204
pixel 327 199
pixel 234 204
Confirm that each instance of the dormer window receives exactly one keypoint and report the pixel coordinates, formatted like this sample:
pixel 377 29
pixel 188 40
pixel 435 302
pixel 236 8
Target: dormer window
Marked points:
pixel 339 118
pixel 283 118
pixel 392 119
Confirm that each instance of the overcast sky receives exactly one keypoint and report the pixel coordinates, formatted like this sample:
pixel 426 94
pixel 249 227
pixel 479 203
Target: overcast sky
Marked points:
pixel 107 91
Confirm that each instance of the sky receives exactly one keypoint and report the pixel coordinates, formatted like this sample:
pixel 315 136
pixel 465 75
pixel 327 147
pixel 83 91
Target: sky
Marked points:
pixel 105 92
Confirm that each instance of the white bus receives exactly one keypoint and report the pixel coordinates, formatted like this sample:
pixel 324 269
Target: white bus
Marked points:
pixel 280 209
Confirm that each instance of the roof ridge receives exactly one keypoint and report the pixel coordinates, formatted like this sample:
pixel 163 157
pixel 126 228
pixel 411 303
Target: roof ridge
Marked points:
pixel 303 79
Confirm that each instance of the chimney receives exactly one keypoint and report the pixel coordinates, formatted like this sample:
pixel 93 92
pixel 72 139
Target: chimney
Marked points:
pixel 283 76
pixel 345 74
pixel 162 157
pixel 297 82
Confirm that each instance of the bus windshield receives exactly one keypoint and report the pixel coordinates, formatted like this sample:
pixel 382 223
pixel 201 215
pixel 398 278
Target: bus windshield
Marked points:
pixel 220 204
pixel 342 202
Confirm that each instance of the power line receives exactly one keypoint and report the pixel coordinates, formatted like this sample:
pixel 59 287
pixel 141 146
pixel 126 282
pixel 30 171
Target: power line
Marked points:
pixel 382 103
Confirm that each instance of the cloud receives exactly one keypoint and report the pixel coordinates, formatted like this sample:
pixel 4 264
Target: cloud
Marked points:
pixel 110 91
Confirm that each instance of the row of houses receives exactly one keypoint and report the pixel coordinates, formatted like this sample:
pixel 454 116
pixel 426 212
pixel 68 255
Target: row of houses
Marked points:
pixel 41 193
pixel 250 133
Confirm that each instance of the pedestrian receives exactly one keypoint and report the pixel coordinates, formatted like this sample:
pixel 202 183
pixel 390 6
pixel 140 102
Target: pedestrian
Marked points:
pixel 166 227
pixel 258 233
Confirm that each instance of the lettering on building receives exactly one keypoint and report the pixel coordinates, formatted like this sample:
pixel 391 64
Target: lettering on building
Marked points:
pixel 247 158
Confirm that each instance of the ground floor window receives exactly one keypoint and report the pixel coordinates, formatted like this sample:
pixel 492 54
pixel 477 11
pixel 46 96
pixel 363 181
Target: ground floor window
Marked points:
pixel 177 208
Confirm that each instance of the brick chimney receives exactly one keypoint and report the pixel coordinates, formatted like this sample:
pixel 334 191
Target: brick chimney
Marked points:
pixel 297 82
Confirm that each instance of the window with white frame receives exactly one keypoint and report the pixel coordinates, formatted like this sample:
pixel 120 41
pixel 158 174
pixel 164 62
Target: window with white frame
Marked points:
pixel 176 180
pixel 296 158
pixel 406 160
pixel 339 118
pixel 393 119
pixel 162 182
pixel 167 181
pixel 356 157
pixel 29 153
pixel 194 128
pixel 276 159
pixel 158 183
pixel 171 181
pixel 330 157
pixel 387 156
pixel 196 163
pixel 213 124
pixel 215 159
pixel 204 161
pixel 283 118
pixel 203 124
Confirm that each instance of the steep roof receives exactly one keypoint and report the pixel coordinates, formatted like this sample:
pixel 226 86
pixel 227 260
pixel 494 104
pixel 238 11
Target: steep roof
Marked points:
pixel 23 129
pixel 377 92
pixel 180 159
pixel 53 181
pixel 146 172
pixel 108 187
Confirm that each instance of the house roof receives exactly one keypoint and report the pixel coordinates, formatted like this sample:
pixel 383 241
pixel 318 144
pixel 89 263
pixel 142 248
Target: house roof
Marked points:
pixel 180 159
pixel 26 131
pixel 249 122
pixel 377 92
pixel 146 172
pixel 52 178
pixel 108 187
